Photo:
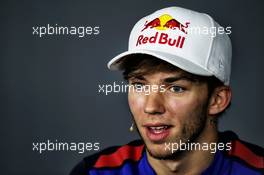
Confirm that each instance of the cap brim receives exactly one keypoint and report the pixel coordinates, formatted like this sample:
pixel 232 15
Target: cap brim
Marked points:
pixel 182 63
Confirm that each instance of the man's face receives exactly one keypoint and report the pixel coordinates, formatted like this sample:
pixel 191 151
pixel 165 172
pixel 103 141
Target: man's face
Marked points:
pixel 177 113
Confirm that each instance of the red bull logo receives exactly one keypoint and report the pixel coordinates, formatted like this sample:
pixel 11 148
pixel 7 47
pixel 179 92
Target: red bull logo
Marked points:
pixel 164 22
pixel 161 38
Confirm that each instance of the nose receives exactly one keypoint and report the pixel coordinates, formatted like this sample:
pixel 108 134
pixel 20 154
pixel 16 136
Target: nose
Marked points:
pixel 154 104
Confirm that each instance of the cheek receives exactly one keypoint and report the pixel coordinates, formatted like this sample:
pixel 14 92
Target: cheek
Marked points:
pixel 184 108
pixel 136 103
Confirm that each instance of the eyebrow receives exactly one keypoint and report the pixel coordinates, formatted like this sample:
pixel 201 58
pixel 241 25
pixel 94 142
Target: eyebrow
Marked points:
pixel 138 77
pixel 170 79
pixel 177 78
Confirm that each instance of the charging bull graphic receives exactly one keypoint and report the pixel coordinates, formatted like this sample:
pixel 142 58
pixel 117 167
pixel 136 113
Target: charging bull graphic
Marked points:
pixel 174 24
pixel 165 22
pixel 152 24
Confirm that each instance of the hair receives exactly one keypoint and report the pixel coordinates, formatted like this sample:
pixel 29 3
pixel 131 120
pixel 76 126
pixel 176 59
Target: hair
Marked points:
pixel 143 64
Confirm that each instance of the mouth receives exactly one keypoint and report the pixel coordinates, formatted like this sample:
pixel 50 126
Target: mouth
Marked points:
pixel 157 132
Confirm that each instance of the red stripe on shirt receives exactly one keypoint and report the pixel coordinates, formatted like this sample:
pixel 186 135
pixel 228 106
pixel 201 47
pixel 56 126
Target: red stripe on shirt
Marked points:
pixel 117 158
pixel 244 153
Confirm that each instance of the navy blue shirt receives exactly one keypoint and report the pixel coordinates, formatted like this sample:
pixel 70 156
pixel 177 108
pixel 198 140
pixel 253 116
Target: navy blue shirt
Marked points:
pixel 131 159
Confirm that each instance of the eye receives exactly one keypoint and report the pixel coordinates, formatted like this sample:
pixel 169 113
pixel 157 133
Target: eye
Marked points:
pixel 177 89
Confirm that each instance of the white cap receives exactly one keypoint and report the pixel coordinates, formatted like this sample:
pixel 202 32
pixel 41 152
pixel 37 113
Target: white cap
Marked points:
pixel 187 39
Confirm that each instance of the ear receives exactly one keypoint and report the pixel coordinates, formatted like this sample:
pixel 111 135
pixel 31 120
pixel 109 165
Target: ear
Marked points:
pixel 219 100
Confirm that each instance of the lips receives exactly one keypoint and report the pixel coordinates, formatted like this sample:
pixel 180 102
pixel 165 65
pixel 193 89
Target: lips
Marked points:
pixel 158 129
pixel 157 132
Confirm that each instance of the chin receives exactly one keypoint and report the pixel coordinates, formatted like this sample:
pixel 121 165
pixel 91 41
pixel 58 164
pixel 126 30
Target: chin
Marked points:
pixel 157 149
pixel 159 152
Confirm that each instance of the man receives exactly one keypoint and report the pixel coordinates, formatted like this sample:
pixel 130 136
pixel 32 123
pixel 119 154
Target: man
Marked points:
pixel 186 73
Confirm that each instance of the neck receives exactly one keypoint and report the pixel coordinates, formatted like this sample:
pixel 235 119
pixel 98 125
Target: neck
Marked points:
pixel 188 162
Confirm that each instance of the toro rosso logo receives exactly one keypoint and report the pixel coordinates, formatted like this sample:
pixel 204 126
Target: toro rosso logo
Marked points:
pixel 164 22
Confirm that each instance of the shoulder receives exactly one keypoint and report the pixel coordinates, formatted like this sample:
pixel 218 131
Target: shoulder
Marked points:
pixel 112 157
pixel 247 154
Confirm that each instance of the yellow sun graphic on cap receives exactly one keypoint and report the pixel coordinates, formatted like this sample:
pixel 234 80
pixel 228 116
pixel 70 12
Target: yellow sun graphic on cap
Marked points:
pixel 163 19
